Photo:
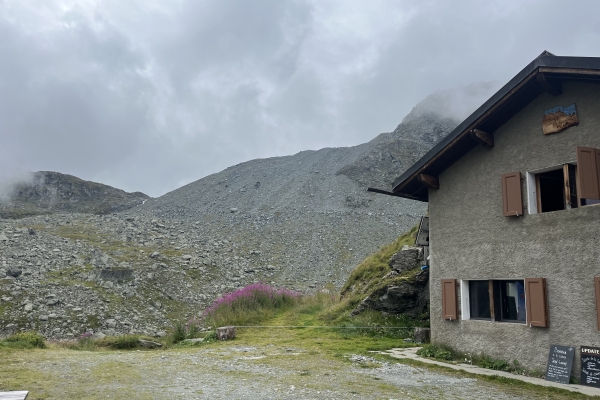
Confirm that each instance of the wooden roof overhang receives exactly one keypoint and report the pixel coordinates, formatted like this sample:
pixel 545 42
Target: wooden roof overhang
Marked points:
pixel 545 73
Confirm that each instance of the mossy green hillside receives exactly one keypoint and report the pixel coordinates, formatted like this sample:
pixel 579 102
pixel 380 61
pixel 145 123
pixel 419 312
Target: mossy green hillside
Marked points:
pixel 370 276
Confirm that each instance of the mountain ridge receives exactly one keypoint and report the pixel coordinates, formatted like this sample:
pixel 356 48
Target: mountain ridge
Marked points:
pixel 47 192
pixel 302 221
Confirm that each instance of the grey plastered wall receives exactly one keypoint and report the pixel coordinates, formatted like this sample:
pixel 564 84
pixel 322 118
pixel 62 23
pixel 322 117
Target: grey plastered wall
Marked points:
pixel 471 239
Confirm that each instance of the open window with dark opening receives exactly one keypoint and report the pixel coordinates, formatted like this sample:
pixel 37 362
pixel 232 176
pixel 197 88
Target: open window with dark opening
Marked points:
pixel 552 189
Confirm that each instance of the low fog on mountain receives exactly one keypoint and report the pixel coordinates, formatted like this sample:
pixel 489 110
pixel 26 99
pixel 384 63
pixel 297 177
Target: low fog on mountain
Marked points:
pixel 148 96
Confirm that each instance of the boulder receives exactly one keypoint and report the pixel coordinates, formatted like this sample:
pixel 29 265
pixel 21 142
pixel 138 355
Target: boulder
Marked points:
pixel 406 259
pixel 116 275
pixel 422 335
pixel 14 272
pixel 52 301
pixel 226 332
pixel 193 341
pixel 149 344
pixel 98 258
pixel 406 297
pixel 98 335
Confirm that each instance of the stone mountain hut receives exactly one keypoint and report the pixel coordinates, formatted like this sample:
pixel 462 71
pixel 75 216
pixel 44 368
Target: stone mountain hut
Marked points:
pixel 514 221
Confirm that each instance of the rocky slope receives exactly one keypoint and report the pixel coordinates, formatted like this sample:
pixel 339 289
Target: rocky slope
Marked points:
pixel 301 221
pixel 48 192
pixel 309 213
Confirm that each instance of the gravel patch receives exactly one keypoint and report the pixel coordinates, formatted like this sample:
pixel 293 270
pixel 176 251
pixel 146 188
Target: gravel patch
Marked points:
pixel 261 372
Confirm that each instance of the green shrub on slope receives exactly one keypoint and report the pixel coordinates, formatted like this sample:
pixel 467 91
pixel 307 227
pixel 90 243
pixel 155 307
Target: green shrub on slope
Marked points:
pixel 25 340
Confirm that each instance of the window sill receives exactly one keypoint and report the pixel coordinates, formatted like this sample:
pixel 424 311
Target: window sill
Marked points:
pixel 496 322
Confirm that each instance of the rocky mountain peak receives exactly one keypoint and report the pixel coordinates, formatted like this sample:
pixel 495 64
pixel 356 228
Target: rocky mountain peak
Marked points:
pixel 48 192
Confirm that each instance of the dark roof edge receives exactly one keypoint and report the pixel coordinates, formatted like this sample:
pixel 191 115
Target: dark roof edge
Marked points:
pixel 542 61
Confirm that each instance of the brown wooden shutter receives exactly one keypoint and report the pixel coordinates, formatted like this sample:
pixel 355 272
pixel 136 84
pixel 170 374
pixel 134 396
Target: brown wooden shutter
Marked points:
pixel 537 304
pixel 511 194
pixel 449 302
pixel 587 171
pixel 597 287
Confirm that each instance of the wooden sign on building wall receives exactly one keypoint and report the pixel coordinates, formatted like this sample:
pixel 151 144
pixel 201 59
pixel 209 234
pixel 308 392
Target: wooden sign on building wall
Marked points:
pixel 559 118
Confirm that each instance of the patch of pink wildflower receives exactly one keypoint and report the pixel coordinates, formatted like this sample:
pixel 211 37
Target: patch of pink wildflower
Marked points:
pixel 252 297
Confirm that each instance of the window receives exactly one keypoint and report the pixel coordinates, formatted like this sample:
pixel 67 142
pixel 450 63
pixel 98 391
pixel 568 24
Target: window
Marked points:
pixel 552 189
pixel 509 300
pixel 479 299
pixel 494 300
pixel 556 188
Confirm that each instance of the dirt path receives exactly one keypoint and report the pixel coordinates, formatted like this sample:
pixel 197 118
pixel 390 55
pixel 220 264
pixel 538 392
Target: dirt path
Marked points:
pixel 234 372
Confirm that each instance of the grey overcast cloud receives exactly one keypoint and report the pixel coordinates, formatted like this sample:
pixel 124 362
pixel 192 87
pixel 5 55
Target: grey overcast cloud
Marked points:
pixel 150 95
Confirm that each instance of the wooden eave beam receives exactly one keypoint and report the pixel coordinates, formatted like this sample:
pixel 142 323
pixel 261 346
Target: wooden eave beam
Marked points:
pixel 552 87
pixel 429 181
pixel 483 138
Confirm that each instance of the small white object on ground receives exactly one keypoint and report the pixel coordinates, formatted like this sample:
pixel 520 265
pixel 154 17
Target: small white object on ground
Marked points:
pixel 17 395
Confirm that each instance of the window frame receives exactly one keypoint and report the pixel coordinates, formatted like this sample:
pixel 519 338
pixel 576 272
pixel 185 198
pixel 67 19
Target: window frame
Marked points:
pixel 472 298
pixel 495 307
pixel 498 300
pixel 533 195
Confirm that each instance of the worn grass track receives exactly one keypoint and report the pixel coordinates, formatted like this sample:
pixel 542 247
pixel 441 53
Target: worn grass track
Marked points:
pixel 259 363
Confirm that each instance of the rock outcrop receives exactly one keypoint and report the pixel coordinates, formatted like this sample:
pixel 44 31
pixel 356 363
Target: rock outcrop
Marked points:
pixel 406 259
pixel 410 297
pixel 49 192
pixel 403 290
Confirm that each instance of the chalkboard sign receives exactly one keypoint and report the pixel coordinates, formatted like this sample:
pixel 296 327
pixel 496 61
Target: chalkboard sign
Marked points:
pixel 590 366
pixel 560 362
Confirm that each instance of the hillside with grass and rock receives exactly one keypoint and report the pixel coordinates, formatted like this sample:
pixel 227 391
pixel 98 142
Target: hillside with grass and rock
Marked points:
pixel 390 281
pixel 302 222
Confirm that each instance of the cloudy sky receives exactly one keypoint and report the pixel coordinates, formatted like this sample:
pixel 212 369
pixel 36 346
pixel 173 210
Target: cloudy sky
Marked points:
pixel 149 95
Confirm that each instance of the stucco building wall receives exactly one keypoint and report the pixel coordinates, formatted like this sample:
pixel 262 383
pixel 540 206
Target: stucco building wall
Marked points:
pixel 471 239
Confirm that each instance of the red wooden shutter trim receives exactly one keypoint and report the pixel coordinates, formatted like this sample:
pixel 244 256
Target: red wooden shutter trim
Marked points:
pixel 449 302
pixel 597 287
pixel 536 302
pixel 588 171
pixel 511 194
